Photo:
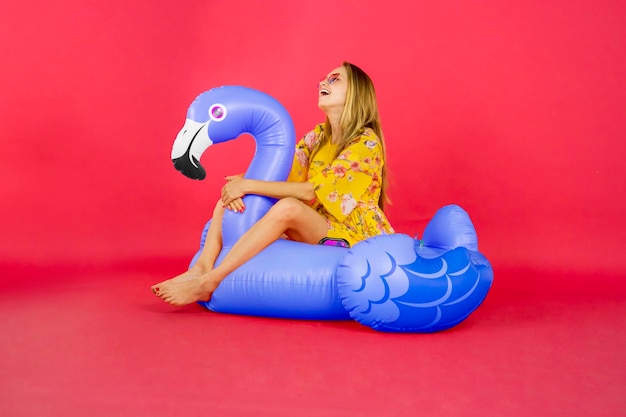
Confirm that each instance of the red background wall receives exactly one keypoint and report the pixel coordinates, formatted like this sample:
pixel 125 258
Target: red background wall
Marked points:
pixel 514 110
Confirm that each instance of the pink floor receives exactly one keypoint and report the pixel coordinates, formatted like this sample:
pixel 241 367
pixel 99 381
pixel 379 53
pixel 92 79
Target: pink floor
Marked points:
pixel 99 344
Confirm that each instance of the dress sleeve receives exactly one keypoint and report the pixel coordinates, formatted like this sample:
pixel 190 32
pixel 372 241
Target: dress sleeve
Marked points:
pixel 352 178
pixel 300 166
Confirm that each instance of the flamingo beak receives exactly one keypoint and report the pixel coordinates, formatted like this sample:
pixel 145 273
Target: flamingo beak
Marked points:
pixel 190 144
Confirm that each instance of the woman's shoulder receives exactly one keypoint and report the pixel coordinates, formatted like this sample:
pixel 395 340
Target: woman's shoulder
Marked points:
pixel 367 137
pixel 368 133
pixel 313 136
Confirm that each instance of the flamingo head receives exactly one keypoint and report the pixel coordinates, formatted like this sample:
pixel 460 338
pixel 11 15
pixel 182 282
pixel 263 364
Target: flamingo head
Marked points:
pixel 215 116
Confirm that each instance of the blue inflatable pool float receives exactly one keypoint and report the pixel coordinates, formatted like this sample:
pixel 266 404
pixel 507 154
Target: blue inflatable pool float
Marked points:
pixel 389 282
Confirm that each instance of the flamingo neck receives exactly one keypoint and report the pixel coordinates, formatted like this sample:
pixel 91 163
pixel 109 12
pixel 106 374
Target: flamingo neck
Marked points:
pixel 274 136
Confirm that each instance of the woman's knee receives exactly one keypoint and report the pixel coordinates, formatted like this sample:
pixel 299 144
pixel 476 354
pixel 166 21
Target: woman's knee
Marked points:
pixel 218 210
pixel 286 209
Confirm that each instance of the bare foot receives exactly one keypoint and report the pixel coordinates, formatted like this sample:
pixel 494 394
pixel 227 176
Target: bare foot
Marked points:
pixel 186 291
pixel 193 273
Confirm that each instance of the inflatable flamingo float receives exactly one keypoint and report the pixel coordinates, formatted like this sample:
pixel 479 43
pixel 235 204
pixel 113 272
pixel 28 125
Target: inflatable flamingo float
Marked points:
pixel 388 282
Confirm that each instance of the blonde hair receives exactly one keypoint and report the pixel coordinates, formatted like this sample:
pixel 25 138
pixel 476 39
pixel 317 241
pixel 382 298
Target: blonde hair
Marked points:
pixel 359 112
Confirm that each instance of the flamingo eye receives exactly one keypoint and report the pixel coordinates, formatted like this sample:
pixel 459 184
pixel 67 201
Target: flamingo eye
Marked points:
pixel 217 112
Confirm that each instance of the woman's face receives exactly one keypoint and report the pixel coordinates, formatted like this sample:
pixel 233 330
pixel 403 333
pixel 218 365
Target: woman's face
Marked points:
pixel 332 90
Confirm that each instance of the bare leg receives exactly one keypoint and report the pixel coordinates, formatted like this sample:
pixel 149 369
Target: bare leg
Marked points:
pixel 210 250
pixel 289 216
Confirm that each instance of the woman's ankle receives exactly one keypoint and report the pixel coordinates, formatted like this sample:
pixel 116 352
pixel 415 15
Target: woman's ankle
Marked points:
pixel 200 268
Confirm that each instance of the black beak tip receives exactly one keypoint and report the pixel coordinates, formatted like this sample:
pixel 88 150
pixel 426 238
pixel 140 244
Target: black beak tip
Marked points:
pixel 188 169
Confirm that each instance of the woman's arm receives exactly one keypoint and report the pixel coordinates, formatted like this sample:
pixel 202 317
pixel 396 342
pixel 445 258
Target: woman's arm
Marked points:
pixel 296 186
pixel 237 187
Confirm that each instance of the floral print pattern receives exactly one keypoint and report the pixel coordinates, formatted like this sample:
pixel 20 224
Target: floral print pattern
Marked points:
pixel 347 188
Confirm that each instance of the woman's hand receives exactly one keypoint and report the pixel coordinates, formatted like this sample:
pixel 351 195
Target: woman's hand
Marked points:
pixel 237 205
pixel 232 192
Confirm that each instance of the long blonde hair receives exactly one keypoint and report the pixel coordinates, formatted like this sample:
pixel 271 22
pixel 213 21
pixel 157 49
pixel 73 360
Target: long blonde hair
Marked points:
pixel 359 112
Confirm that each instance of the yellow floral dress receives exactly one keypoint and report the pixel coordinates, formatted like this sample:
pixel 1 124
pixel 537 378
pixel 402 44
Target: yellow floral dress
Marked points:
pixel 346 188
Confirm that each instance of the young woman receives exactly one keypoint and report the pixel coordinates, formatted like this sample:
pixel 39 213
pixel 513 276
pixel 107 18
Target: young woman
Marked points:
pixel 336 189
